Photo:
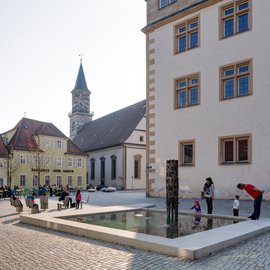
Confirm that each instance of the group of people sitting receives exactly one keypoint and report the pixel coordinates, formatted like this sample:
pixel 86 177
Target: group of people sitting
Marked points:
pixel 78 198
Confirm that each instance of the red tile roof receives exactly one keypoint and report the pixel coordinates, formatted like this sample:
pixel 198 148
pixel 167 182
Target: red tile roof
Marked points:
pixel 3 150
pixel 26 129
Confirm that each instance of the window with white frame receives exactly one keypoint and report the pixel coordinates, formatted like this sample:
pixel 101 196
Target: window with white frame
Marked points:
pixel 47 180
pixel 59 144
pixel 79 181
pixel 235 149
pixel 236 80
pixel 164 3
pixel 59 180
pixel 235 18
pixel 69 178
pixel 58 162
pixel 70 162
pixel 35 180
pixel 22 180
pixel 22 159
pixel 187 91
pixel 47 161
pixel 187 153
pixel 3 163
pixel 79 163
pixel 48 143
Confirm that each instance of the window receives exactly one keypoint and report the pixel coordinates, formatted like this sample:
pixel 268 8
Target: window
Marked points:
pixel 59 144
pixel 3 163
pixel 187 35
pixel 79 181
pixel 235 149
pixel 47 180
pixel 236 80
pixel 113 167
pixel 35 180
pixel 235 18
pixel 79 163
pixel 22 180
pixel 59 180
pixel 102 170
pixel 187 91
pixel 141 139
pixel 137 166
pixel 187 153
pixel 92 176
pixel 58 162
pixel 22 159
pixel 47 161
pixel 164 3
pixel 48 143
pixel 70 162
pixel 69 178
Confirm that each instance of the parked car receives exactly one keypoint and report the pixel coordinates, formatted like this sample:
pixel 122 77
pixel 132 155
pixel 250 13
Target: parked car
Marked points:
pixel 108 189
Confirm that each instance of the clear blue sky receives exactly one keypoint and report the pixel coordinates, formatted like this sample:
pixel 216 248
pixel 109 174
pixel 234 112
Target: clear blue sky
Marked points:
pixel 40 44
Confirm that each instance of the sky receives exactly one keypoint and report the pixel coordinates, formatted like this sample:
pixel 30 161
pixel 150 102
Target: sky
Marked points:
pixel 41 41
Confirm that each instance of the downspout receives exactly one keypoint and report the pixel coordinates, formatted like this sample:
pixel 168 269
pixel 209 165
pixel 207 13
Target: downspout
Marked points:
pixel 124 167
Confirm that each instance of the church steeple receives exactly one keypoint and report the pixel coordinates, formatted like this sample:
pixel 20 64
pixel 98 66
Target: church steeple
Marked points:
pixel 81 82
pixel 80 114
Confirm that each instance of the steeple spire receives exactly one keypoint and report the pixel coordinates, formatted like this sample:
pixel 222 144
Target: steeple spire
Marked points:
pixel 80 81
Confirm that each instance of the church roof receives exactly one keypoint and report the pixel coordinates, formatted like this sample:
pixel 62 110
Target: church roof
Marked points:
pixel 80 81
pixel 110 130
pixel 26 129
pixel 3 150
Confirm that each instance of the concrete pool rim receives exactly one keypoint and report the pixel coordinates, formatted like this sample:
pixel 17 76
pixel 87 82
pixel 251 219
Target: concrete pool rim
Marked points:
pixel 192 247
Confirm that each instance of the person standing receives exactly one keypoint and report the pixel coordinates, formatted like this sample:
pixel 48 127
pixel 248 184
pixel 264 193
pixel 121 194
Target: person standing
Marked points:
pixel 78 199
pixel 209 193
pixel 257 195
pixel 236 206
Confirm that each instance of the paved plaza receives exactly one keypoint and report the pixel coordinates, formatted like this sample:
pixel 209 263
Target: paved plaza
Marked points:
pixel 27 247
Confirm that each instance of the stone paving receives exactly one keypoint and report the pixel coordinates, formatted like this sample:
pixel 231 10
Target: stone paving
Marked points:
pixel 28 247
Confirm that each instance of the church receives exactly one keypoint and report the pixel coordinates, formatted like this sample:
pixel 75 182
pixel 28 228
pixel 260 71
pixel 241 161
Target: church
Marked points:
pixel 115 144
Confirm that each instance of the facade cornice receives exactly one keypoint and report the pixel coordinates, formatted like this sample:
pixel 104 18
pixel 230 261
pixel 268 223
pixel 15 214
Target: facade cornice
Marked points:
pixel 179 14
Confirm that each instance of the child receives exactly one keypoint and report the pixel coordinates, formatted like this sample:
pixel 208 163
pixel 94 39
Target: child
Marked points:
pixel 196 207
pixel 78 198
pixel 236 205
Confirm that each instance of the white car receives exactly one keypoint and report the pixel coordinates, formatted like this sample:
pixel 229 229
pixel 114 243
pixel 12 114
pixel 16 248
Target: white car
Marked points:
pixel 108 189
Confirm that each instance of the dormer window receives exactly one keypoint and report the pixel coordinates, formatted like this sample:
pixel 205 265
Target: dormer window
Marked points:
pixel 164 3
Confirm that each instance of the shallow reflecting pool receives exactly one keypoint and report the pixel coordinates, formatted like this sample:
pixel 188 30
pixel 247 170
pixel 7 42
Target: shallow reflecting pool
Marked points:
pixel 152 222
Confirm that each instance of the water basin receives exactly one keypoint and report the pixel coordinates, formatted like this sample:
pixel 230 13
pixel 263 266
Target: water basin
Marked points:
pixel 152 222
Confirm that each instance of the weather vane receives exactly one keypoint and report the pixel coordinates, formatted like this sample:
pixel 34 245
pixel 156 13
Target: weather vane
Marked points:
pixel 80 55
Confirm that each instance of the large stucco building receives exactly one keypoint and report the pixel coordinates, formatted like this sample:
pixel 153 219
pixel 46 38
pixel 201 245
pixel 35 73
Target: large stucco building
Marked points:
pixel 208 94
pixel 35 153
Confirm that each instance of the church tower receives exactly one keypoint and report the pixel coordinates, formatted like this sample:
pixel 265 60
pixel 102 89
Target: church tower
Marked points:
pixel 80 114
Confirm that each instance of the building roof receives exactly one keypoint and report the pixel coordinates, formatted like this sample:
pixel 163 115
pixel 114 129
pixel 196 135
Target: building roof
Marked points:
pixel 80 81
pixel 3 149
pixel 26 129
pixel 110 130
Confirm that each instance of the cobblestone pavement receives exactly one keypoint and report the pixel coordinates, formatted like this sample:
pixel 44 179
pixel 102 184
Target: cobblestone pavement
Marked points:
pixel 27 247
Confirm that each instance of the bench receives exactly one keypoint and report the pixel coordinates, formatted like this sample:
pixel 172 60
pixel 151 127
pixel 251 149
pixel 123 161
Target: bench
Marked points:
pixel 17 204
pixel 85 201
pixel 63 204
